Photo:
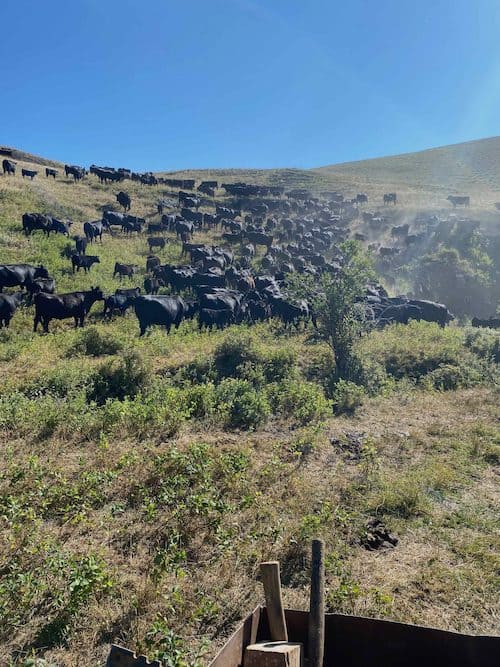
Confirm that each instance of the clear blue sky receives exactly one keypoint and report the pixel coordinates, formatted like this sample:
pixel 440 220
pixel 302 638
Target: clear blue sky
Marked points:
pixel 161 84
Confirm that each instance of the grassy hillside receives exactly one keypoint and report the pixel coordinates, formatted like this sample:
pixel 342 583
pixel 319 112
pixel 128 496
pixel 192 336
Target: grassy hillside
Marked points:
pixel 143 480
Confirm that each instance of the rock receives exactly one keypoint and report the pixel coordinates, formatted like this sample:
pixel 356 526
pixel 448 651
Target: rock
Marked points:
pixel 377 536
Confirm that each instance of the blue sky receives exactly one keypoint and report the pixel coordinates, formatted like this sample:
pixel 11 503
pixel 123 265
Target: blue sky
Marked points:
pixel 160 84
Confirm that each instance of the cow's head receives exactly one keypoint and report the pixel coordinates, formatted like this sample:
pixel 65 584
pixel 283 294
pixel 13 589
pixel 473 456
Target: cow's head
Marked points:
pixel 41 272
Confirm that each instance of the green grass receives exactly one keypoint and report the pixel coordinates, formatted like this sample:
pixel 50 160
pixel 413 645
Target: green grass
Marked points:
pixel 142 480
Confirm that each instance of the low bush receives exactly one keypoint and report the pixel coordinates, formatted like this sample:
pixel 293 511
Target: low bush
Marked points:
pixel 92 342
pixel 347 397
pixel 121 378
pixel 447 377
pixel 304 402
pixel 485 343
pixel 233 353
pixel 240 405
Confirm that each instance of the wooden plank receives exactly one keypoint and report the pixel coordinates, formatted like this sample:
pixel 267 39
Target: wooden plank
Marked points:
pixel 273 654
pixel 231 654
pixel 270 573
pixel 317 606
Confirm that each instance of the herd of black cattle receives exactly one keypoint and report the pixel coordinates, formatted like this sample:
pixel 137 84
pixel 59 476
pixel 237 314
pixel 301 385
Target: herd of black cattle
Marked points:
pixel 220 286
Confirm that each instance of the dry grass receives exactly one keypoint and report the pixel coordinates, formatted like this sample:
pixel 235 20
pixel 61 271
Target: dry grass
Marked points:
pixel 145 539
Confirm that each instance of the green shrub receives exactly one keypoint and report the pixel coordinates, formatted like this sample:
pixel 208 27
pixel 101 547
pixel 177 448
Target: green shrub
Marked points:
pixel 201 400
pixel 485 343
pixel 196 372
pixel 347 397
pixel 303 401
pixel 121 378
pixel 413 350
pixel 93 343
pixel 279 364
pixel 60 382
pixel 233 353
pixel 241 405
pixel 447 377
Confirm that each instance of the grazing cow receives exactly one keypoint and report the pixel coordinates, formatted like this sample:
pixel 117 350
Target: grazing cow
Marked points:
pixel 184 228
pixel 59 227
pixel 401 313
pixel 81 243
pixel 36 221
pixel 8 306
pixel 47 285
pixel 400 231
pixel 62 306
pixel 84 262
pixel 132 223
pixel 72 170
pixel 156 228
pixel 156 242
pixel 9 167
pixel 390 198
pixel 124 270
pixel 258 238
pixel 459 200
pixel 12 275
pixel 208 317
pixel 362 198
pixel 113 218
pixel 50 172
pixel 152 285
pixel 163 310
pixel 28 173
pixel 152 262
pixel 433 312
pixel 124 200
pixel 120 301
pixel 491 322
pixel 93 230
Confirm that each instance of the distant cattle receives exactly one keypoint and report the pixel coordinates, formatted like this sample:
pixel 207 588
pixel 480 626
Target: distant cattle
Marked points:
pixel 124 200
pixel 47 285
pixel 120 301
pixel 28 173
pixel 390 198
pixel 123 270
pixel 459 200
pixel 84 262
pixel 208 318
pixel 72 170
pixel 166 311
pixel 36 221
pixel 8 306
pixel 12 275
pixel 362 198
pixel 50 172
pixel 93 230
pixel 492 322
pixel 59 227
pixel 156 242
pixel 152 284
pixel 62 306
pixel 9 167
pixel 152 262
pixel 81 244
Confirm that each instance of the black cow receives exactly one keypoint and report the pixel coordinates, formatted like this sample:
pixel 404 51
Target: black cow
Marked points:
pixel 36 221
pixel 113 218
pixel 152 284
pixel 9 167
pixel 491 322
pixel 50 172
pixel 47 285
pixel 401 313
pixel 152 262
pixel 72 170
pixel 120 301
pixel 84 262
pixel 459 200
pixel 59 227
pixel 28 173
pixel 61 306
pixel 163 310
pixel 208 317
pixel 124 200
pixel 93 230
pixel 259 238
pixel 390 198
pixel 8 306
pixel 123 270
pixel 433 312
pixel 12 275
pixel 156 242
pixel 81 243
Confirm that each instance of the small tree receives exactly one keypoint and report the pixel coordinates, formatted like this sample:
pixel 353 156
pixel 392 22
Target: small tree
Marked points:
pixel 340 317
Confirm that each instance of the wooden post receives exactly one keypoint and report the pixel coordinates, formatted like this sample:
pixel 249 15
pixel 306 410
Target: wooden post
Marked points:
pixel 317 606
pixel 270 573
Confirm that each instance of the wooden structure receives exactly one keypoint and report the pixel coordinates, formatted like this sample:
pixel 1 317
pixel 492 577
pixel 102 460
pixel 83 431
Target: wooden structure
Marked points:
pixel 354 641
